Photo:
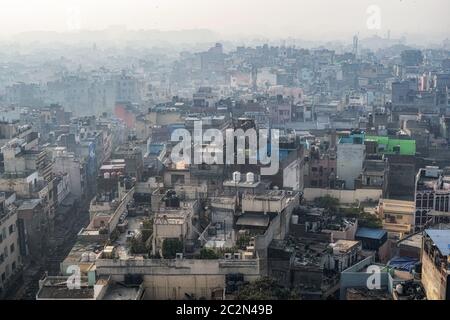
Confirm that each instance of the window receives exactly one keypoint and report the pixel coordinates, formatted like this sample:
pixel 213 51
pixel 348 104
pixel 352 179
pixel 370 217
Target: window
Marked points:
pixel 11 229
pixel 12 248
pixel 14 266
pixel 430 201
pixel 419 200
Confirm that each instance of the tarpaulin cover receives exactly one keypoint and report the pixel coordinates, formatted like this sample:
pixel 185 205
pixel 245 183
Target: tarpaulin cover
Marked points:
pixel 403 263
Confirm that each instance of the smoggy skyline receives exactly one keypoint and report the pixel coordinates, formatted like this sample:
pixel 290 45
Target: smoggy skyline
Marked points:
pixel 317 19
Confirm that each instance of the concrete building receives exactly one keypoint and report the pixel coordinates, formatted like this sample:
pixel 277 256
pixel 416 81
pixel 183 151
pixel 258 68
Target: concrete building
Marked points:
pixel 205 98
pixel 345 254
pixel 10 257
pixel 401 177
pixel 173 221
pixel 128 88
pixel 321 168
pixel 375 241
pixel 350 158
pixel 374 175
pixel 67 163
pixel 432 197
pixel 133 159
pixel 34 228
pixel 435 258
pixel 391 283
pixel 91 288
pixel 397 216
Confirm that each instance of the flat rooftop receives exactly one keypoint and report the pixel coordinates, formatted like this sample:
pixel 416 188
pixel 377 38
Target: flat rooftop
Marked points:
pixel 118 291
pixel 271 195
pixel 343 245
pixel 441 239
pixel 370 233
pixel 57 288
pixel 397 206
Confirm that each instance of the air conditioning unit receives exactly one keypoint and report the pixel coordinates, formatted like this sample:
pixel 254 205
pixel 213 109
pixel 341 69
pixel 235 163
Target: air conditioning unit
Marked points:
pixel 228 256
pixel 179 256
pixel 237 255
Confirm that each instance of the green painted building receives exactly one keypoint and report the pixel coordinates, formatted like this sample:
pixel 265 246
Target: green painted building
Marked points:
pixel 387 145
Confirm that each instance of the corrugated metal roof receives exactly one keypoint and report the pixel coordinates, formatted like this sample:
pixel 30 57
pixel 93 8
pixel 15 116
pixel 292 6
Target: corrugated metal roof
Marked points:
pixel 370 233
pixel 442 240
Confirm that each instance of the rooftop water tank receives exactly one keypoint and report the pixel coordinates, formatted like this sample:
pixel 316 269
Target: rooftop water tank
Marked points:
pixel 236 176
pixel 92 257
pixel 85 257
pixel 250 177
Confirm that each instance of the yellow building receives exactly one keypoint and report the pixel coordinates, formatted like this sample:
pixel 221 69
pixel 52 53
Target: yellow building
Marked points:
pixel 397 216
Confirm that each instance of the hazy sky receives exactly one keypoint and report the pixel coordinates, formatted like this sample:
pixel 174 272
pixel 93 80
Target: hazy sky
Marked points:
pixel 272 18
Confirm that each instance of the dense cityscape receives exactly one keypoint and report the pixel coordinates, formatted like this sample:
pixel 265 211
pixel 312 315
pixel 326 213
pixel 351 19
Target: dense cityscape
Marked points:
pixel 331 181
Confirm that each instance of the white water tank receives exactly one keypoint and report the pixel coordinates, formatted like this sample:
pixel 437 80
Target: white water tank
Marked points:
pixel 250 177
pixel 236 176
pixel 106 175
pixel 294 219
pixel 85 257
pixel 399 288
pixel 92 257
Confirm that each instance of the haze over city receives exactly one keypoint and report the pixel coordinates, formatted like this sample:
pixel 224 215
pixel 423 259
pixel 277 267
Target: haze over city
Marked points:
pixel 233 19
pixel 246 151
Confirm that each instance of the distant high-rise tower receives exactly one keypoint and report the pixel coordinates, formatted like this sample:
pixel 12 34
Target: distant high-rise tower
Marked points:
pixel 355 45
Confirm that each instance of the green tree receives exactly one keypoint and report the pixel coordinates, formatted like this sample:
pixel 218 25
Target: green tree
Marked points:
pixel 171 247
pixel 327 202
pixel 147 229
pixel 208 254
pixel 243 242
pixel 266 288
pixel 137 246
pixel 365 219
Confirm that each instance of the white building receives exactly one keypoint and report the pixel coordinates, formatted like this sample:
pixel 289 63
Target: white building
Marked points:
pixel 350 158
pixel 67 162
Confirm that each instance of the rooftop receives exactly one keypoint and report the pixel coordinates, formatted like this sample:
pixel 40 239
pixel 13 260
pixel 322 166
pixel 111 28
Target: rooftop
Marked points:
pixel 29 204
pixel 366 294
pixel 397 206
pixel 386 145
pixel 343 246
pixel 119 291
pixel 58 288
pixel 370 233
pixel 441 239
